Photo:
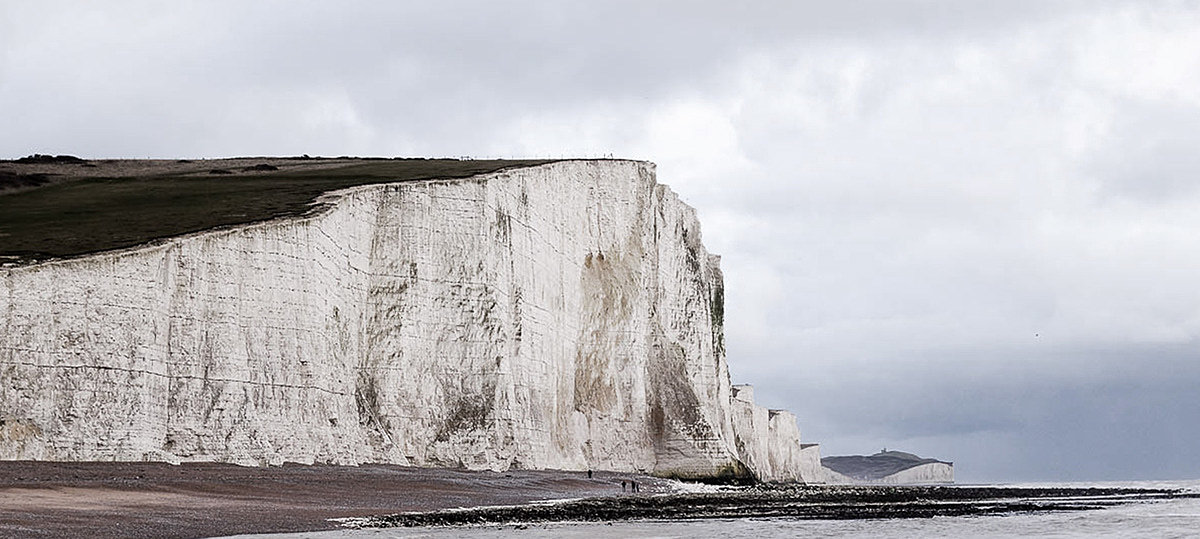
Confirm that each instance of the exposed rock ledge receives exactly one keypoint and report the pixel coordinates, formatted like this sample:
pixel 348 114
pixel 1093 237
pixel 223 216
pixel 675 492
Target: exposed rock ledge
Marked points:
pixel 563 316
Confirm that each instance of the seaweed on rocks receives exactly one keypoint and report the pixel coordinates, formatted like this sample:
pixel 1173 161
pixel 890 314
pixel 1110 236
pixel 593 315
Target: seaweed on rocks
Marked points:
pixel 791 501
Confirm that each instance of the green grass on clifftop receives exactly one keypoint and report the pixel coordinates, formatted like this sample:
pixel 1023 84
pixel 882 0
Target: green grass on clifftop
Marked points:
pixel 55 209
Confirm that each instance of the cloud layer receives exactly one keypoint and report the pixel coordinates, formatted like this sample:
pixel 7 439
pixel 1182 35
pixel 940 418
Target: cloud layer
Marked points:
pixel 967 229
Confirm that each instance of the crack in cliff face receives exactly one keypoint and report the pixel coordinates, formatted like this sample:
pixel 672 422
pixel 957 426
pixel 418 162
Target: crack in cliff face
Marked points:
pixel 502 227
pixel 717 312
pixel 179 376
pixel 691 244
pixel 366 400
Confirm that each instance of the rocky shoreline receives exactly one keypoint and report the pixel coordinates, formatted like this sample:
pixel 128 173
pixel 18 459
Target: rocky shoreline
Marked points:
pixel 790 501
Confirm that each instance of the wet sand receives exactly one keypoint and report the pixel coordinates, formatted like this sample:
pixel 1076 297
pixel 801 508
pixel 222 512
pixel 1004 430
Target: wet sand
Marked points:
pixel 98 500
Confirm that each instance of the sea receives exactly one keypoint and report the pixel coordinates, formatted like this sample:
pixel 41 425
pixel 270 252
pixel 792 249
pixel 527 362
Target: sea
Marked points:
pixel 1175 518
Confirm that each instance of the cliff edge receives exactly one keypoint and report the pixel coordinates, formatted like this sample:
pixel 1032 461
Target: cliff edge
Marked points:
pixel 562 316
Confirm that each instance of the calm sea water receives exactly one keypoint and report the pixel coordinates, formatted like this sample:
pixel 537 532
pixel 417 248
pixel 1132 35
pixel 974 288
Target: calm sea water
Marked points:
pixel 1172 518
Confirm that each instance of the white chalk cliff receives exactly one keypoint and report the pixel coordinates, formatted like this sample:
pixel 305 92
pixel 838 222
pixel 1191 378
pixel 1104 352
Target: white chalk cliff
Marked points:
pixel 887 468
pixel 562 316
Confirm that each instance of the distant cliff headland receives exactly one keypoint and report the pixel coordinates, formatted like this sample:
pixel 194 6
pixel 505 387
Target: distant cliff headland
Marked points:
pixel 453 313
pixel 888 468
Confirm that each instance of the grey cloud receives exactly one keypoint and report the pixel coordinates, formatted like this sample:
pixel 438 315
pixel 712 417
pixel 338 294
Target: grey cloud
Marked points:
pixel 1150 153
pixel 441 71
pixel 1107 414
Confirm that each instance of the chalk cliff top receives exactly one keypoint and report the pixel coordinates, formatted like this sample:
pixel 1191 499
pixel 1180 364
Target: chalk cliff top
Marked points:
pixel 875 466
pixel 63 206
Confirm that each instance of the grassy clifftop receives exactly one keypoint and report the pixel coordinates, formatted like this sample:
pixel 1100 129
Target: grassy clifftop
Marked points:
pixel 62 207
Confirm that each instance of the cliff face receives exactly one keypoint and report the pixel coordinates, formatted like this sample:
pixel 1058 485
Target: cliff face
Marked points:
pixel 767 441
pixel 936 473
pixel 887 468
pixel 562 316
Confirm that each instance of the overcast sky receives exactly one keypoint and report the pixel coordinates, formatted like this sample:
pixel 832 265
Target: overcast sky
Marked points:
pixel 967 229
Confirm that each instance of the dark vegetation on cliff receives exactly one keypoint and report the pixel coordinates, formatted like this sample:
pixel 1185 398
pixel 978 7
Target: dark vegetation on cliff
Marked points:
pixel 63 206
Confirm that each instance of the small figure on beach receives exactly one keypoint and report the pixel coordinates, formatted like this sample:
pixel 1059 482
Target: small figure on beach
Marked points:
pixel 589 474
pixel 622 485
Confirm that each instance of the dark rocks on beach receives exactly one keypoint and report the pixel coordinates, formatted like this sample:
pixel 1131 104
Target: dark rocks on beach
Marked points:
pixel 807 502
